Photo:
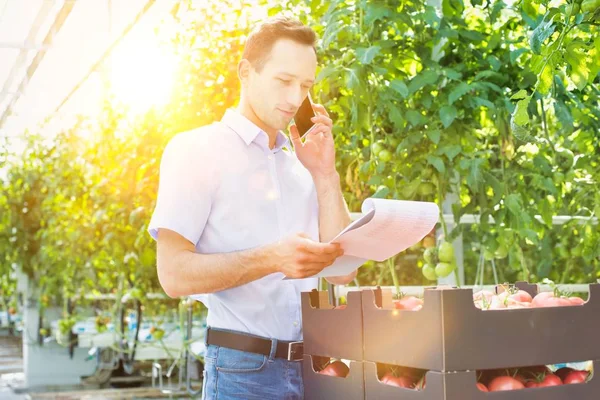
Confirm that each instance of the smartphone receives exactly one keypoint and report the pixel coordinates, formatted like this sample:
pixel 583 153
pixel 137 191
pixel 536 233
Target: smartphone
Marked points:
pixel 303 116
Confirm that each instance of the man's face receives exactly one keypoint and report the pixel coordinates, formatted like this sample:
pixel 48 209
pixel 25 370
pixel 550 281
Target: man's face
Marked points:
pixel 276 92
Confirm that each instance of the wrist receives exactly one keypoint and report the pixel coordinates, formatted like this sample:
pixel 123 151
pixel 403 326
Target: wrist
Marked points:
pixel 326 181
pixel 267 259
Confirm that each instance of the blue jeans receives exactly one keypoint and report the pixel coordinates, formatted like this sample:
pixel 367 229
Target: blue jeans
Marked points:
pixel 233 374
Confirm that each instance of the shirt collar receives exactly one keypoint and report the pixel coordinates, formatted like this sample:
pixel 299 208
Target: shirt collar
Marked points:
pixel 248 131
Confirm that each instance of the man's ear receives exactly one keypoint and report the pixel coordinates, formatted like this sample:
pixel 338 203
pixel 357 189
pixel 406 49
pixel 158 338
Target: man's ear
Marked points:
pixel 244 71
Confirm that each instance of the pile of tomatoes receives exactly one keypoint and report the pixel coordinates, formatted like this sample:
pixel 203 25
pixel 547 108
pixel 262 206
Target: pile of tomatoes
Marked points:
pixel 335 368
pixel 529 377
pixel 510 299
pixel 515 298
pixel 494 380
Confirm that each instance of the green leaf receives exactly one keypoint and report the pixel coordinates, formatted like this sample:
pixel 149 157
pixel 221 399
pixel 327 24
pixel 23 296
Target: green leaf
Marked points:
pixel 495 62
pixel 397 118
pixel 448 114
pixel 513 203
pixel 546 212
pixel 434 135
pixel 545 77
pixel 400 87
pixel 475 174
pixel 437 162
pixel 458 92
pixel 452 74
pixel 484 103
pixel 496 185
pixel 408 191
pixel 490 74
pixel 521 94
pixel 414 117
pixel 515 54
pixel 366 55
pixel 353 78
pixel 577 59
pixel 543 31
pixel 531 235
pixel 382 192
pixel 375 12
pixel 520 115
pixel 375 180
pixel 452 151
pixel 327 72
pixel 563 113
pixel 472 36
pixel 427 77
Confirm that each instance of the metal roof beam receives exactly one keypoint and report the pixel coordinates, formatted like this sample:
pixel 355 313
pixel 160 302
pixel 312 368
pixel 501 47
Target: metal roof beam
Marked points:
pixel 27 46
pixel 57 24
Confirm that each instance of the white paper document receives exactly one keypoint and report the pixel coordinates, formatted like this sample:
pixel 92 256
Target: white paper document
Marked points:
pixel 386 228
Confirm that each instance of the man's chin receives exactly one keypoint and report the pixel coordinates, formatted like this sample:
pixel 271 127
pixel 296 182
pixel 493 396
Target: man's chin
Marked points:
pixel 283 124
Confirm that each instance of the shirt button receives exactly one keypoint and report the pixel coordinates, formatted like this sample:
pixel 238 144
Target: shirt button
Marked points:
pixel 270 157
pixel 295 323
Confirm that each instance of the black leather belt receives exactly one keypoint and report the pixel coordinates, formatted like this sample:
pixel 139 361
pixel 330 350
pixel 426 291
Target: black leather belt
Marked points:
pixel 291 351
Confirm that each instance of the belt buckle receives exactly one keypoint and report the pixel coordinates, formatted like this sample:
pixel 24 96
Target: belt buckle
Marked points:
pixel 293 349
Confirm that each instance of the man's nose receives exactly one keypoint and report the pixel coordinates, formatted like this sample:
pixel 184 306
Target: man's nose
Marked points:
pixel 295 96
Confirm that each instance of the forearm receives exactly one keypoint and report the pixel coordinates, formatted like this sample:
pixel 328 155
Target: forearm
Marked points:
pixel 187 273
pixel 333 211
pixel 333 215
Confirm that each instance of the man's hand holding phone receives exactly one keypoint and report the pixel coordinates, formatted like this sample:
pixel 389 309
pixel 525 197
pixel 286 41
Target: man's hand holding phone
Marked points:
pixel 316 149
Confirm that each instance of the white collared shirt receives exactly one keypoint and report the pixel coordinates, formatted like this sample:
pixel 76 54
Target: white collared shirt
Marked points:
pixel 224 190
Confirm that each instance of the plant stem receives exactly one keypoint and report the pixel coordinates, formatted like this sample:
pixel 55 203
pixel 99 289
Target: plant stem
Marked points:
pixel 394 276
pixel 545 125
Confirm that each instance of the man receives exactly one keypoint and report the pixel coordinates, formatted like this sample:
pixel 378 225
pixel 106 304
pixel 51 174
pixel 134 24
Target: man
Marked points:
pixel 237 212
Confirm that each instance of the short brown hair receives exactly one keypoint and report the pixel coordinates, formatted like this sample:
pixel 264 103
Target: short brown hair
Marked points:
pixel 263 37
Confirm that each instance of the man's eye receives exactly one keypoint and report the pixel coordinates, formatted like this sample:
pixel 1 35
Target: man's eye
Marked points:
pixel 284 80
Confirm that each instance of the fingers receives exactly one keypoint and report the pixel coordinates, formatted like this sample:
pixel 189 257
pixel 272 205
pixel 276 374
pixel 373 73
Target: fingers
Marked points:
pixel 319 130
pixel 322 119
pixel 320 109
pixel 321 248
pixel 313 269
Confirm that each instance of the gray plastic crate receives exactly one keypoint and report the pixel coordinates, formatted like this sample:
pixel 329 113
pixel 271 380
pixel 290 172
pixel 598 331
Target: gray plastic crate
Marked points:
pixel 451 334
pixel 330 332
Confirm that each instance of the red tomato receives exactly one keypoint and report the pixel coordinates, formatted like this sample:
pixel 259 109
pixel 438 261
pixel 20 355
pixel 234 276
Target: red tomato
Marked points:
pixel 497 303
pixel 547 299
pixel 534 371
pixel 550 380
pixel 408 303
pixel 482 387
pixel 398 381
pixel 540 299
pixel 576 377
pixel 577 301
pixel 563 372
pixel 479 304
pixel 558 302
pixel 531 384
pixel 483 294
pixel 335 368
pixel 511 303
pixel 502 383
pixel 521 296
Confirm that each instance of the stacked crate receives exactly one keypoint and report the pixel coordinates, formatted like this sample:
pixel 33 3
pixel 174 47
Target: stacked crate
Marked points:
pixel 449 338
pixel 332 333
pixel 452 339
